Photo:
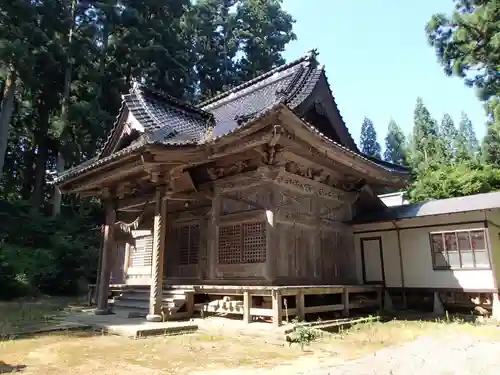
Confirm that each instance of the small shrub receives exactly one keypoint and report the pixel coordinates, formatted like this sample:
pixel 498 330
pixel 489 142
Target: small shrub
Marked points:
pixel 304 334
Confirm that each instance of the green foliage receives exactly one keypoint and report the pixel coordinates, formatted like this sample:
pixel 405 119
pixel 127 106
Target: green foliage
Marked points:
pixel 304 334
pixel 425 145
pixel 44 255
pixel 491 142
pixel 467 43
pixel 369 143
pixel 73 60
pixel 468 145
pixel 395 145
pixel 449 135
pixel 454 180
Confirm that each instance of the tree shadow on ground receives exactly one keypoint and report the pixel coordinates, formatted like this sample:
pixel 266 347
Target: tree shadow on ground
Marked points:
pixel 8 369
pixel 77 332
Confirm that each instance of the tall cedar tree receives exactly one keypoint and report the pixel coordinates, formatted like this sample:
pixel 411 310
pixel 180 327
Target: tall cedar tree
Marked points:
pixel 395 145
pixel 61 95
pixel 469 145
pixel 491 142
pixel 369 143
pixel 425 145
pixel 448 133
pixel 467 45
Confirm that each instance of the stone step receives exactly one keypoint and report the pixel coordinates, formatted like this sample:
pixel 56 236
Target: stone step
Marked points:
pixel 142 289
pixel 169 292
pixel 130 313
pixel 145 297
pixel 140 304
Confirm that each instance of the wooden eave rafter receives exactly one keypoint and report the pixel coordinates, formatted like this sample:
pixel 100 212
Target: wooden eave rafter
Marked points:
pixel 158 156
pixel 323 96
pixel 301 133
pixel 92 178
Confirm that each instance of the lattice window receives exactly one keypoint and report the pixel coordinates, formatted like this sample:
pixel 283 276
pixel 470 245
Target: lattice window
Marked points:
pixel 141 255
pixel 242 243
pixel 188 239
pixel 254 243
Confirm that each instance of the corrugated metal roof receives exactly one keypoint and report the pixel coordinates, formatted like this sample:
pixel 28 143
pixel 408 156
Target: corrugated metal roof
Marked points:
pixel 435 207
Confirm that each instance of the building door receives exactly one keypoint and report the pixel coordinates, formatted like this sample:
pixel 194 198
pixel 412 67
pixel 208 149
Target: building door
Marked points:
pixel 372 260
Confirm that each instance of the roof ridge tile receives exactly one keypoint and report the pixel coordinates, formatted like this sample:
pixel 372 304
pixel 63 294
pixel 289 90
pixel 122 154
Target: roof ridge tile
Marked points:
pixel 309 56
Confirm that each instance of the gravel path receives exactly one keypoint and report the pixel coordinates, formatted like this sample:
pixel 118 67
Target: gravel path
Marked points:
pixel 455 355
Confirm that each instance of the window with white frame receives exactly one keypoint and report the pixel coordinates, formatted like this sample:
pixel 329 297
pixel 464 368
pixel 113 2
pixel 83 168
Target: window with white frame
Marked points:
pixel 460 249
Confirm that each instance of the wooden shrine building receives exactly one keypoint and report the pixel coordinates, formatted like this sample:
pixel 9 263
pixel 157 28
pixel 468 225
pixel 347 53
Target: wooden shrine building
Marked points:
pixel 245 195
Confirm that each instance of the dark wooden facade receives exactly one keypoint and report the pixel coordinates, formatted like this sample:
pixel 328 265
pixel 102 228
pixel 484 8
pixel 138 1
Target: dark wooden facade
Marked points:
pixel 261 202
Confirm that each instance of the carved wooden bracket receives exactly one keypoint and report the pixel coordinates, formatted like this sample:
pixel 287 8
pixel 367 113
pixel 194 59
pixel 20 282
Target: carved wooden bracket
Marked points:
pixel 107 193
pixel 233 169
pixel 271 152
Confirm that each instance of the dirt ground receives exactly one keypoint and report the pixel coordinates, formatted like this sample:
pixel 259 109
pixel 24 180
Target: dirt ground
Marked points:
pixel 361 348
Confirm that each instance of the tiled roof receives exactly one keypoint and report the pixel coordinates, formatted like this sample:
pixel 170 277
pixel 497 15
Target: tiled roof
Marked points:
pixel 435 207
pixel 169 121
pixel 164 118
pixel 289 84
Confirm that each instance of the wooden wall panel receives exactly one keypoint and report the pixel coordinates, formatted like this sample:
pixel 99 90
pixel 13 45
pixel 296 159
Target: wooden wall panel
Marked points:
pixel 118 261
pixel 183 249
pixel 314 246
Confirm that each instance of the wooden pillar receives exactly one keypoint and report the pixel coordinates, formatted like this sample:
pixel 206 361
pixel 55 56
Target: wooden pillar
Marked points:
pixel 105 262
pixel 159 234
pixel 213 235
pixel 495 306
pixel 126 262
pixel 94 296
pixel 315 250
pixel 247 305
pixel 300 306
pixel 271 235
pixel 190 304
pixel 277 307
pixel 204 249
pixel 345 301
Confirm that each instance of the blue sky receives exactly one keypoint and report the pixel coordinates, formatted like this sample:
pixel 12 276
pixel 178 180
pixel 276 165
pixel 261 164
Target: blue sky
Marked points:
pixel 378 61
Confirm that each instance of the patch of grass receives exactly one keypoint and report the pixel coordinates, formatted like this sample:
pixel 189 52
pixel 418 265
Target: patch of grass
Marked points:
pixel 69 352
pixel 26 314
pixel 80 353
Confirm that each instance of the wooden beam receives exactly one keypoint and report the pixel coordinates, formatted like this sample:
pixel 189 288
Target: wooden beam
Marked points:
pixel 246 201
pixel 194 196
pixel 128 203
